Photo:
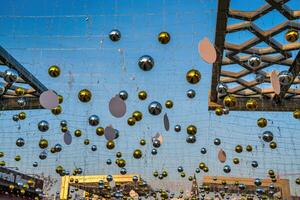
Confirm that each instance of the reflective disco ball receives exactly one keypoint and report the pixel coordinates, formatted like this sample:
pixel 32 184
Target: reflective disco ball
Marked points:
pixel 123 95
pixel 217 141
pixel 260 78
pixel 43 126
pixel 254 61
pixel 203 150
pixel 43 155
pixel 227 169
pixel 10 75
pixel 191 139
pixel 285 77
pixel 94 120
pixel 191 93
pixel 222 88
pixel 267 136
pixel 94 148
pixel 115 35
pixel 146 63
pixel 177 128
pixel 154 108
pixel 2 88
pixel 20 142
pixel 164 37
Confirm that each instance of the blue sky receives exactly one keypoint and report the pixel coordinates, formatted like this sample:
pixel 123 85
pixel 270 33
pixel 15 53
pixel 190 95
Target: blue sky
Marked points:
pixel 74 35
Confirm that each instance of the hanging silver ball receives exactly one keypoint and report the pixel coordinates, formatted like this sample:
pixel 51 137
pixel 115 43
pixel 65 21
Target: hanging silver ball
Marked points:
pixel 267 136
pixel 217 141
pixel 271 187
pixel 203 150
pixel 35 164
pixel 43 126
pixel 197 170
pixel 154 151
pixel 154 108
pixel 2 88
pixel 227 169
pixel 123 95
pixel 94 148
pixel 10 75
pixel 58 148
pixel 257 182
pixel 242 186
pixel 156 143
pixel 177 128
pixel 191 93
pixel 108 161
pixel 260 78
pixel 20 142
pixel 146 63
pixel 123 171
pixel 63 123
pixel 191 139
pixel 109 178
pixel 180 169
pixel 21 101
pixel 254 61
pixel 15 118
pixel 43 155
pixel 226 111
pixel 115 35
pixel 94 120
pixel 135 178
pixel 285 77
pixel 254 164
pixel 222 88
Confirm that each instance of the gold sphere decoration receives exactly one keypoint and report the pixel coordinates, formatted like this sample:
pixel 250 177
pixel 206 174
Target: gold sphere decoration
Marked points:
pixel 191 130
pixel 273 145
pixel 219 111
pixel 54 71
pixel 262 122
pixel 164 37
pixel 52 150
pixel 86 142
pixel 20 91
pixel 137 154
pixel 169 104
pixel 137 115
pixel 2 163
pixel 142 95
pixel 131 121
pixel 292 36
pixel 249 148
pixel 59 169
pixel 193 76
pixel 77 133
pixel 251 104
pixel 84 95
pixel 60 99
pixel 30 182
pixel 22 115
pixel 110 144
pixel 11 187
pixel 64 129
pixel 271 172
pixel 236 161
pixel 238 149
pixel 121 162
pixel 57 110
pixel 142 142
pixel 296 114
pixel 229 101
pixel 202 165
pixel 18 158
pixel 43 144
pixel 118 154
pixel 100 131
pixel 205 169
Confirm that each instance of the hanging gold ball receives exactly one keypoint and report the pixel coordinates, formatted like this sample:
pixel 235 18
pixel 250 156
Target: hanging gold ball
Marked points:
pixel 86 142
pixel 20 91
pixel 110 144
pixel 142 142
pixel 262 122
pixel 60 99
pixel 271 172
pixel 131 121
pixel 118 154
pixel 57 110
pixel 251 104
pixel 22 115
pixel 273 145
pixel 142 95
pixel 2 163
pixel 169 104
pixel 205 169
pixel 238 149
pixel 100 131
pixel 59 169
pixel 17 158
pixel 121 162
pixel 191 130
pixel 249 148
pixel 164 37
pixel 219 111
pixel 30 182
pixel 54 71
pixel 236 161
pixel 77 133
pixel 43 144
pixel 182 174
pixel 292 36
pixel 52 150
pixel 201 165
pixel 84 95
pixel 229 101
pixel 193 76
pixel 274 180
pixel 11 187
pixel 137 115
pixel 296 114
pixel 64 129
pixel 137 154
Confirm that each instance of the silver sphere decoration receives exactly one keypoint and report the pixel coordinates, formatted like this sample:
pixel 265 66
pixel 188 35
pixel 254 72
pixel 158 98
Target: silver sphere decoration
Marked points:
pixel 271 187
pixel 20 142
pixel 2 88
pixel 58 148
pixel 35 164
pixel 94 120
pixel 226 111
pixel 254 164
pixel 191 93
pixel 10 75
pixel 257 182
pixel 146 63
pixel 222 88
pixel 242 186
pixel 108 161
pixel 43 126
pixel 197 170
pixel 254 61
pixel 260 78
pixel 94 148
pixel 203 150
pixel 191 139
pixel 115 35
pixel 63 123
pixel 217 141
pixel 43 155
pixel 21 101
pixel 227 169
pixel 123 171
pixel 156 143
pixel 15 118
pixel 154 108
pixel 285 77
pixel 180 169
pixel 267 136
pixel 135 178
pixel 109 178
pixel 123 95
pixel 177 128
pixel 154 151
